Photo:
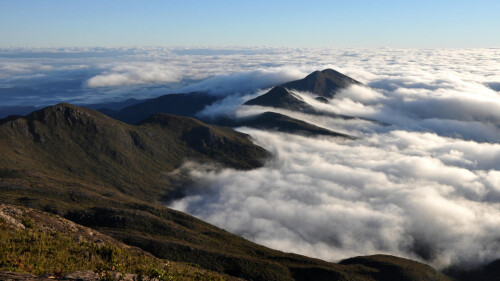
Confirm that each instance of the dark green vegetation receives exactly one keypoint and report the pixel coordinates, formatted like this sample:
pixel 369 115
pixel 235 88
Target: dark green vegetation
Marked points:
pixel 83 154
pixel 110 176
pixel 324 83
pixel 45 244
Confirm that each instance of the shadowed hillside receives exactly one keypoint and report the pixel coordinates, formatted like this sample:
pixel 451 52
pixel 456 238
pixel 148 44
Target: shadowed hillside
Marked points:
pixel 79 147
pixel 384 267
pixel 109 176
pixel 187 104
pixel 282 123
pixel 280 97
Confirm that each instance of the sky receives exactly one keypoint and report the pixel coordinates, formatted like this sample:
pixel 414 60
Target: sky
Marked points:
pixel 357 23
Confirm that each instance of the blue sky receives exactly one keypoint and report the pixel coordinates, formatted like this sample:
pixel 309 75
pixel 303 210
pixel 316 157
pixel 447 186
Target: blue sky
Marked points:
pixel 355 23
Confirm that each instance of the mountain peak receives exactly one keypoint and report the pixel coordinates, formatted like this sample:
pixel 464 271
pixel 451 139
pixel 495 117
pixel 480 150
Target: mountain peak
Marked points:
pixel 60 118
pixel 322 83
pixel 279 97
pixel 65 112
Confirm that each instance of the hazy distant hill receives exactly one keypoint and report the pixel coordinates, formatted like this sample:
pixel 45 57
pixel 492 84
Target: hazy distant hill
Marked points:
pixel 114 106
pixel 15 110
pixel 185 104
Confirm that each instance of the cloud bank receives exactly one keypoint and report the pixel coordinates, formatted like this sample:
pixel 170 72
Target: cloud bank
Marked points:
pixel 410 194
pixel 426 187
pixel 108 74
pixel 134 74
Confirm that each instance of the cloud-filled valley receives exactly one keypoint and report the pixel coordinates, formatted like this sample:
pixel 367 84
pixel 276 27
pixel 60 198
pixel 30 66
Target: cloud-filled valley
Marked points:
pixel 405 193
pixel 425 186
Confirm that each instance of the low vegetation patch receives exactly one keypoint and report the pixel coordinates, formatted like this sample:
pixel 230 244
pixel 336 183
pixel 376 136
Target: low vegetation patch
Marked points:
pixel 35 250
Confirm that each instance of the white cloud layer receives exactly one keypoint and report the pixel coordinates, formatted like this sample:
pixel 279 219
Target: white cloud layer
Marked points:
pixel 135 73
pixel 146 72
pixel 405 193
pixel 245 81
pixel 425 187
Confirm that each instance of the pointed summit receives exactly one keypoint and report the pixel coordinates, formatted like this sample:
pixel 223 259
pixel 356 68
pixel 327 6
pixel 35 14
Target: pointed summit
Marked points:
pixel 280 97
pixel 324 83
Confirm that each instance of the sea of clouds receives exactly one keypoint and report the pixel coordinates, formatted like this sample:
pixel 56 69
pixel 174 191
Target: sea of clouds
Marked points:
pixel 427 186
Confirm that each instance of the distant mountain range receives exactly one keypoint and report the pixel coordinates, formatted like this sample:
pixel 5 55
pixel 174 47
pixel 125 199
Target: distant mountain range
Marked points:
pixel 321 83
pixel 6 111
pixel 189 104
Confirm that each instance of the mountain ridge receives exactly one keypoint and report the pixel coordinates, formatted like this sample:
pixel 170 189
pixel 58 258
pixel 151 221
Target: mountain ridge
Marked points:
pixel 112 176
pixel 186 104
pixel 273 121
pixel 78 163
pixel 280 97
